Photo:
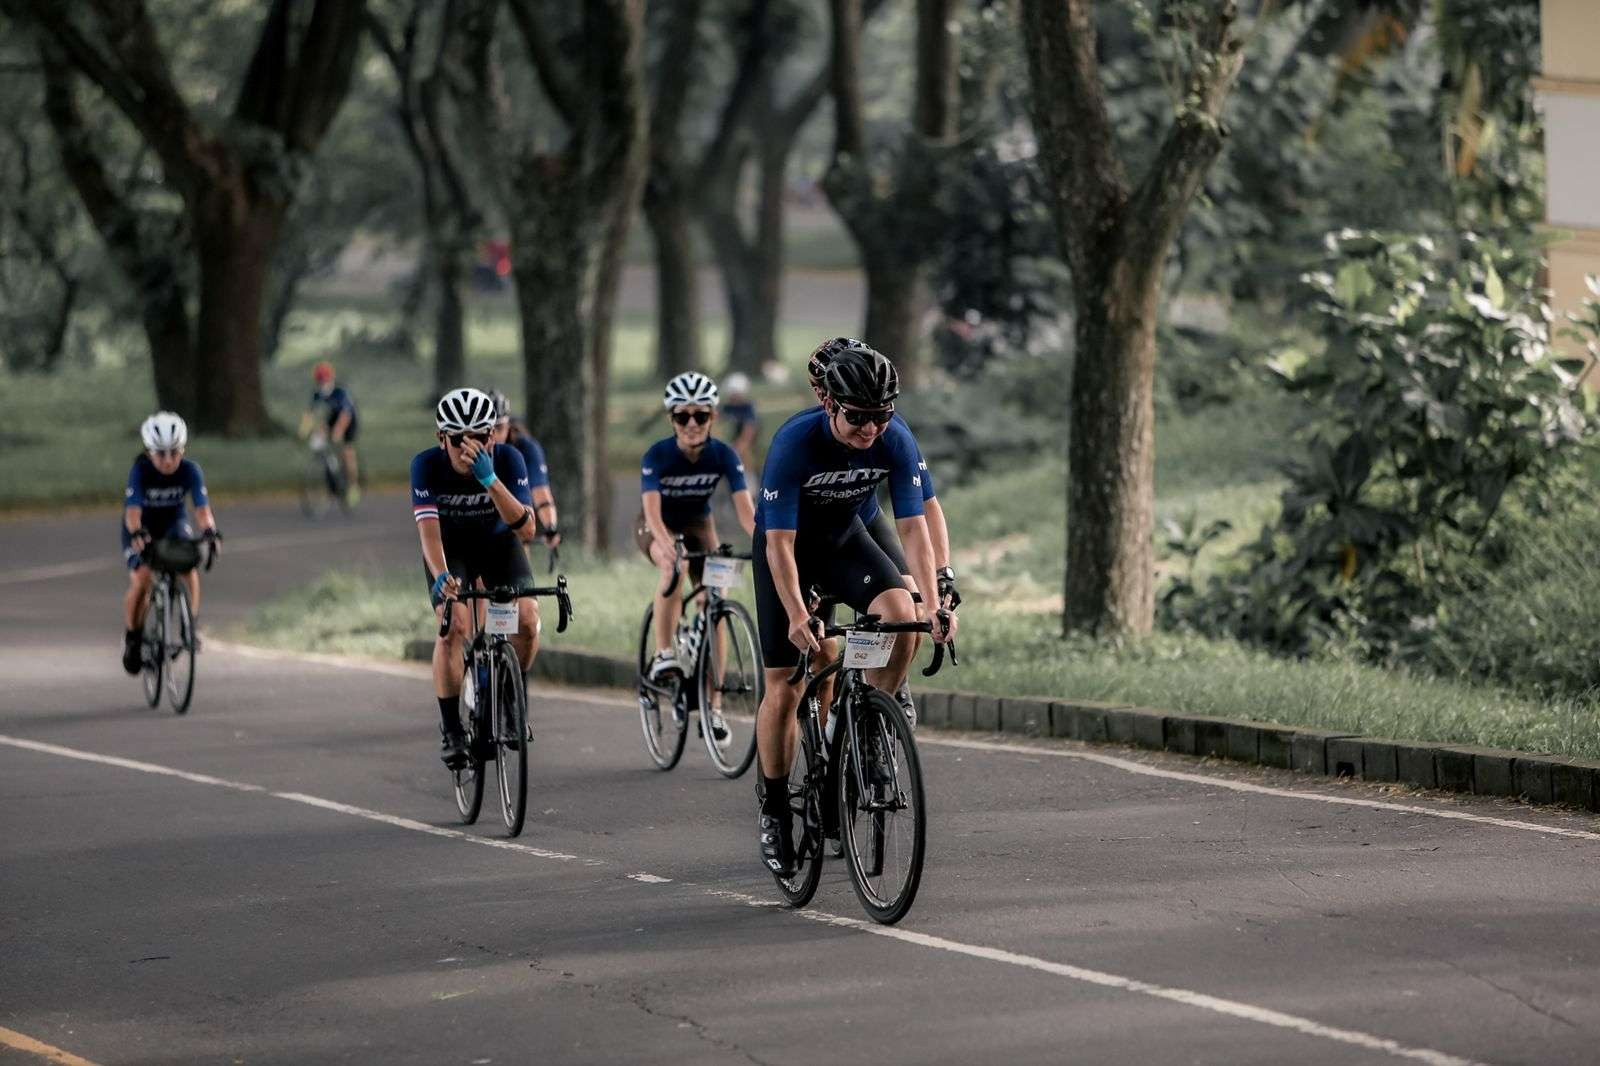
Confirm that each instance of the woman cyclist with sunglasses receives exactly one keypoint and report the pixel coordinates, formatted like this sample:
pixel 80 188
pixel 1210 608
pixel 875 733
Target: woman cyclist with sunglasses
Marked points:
pixel 677 477
pixel 470 500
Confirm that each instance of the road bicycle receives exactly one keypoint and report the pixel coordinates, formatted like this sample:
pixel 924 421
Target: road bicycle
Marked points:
pixel 859 779
pixel 324 482
pixel 168 637
pixel 722 673
pixel 495 696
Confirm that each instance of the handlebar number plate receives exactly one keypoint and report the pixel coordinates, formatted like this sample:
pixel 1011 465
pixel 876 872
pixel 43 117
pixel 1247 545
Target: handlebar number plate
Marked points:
pixel 868 651
pixel 721 573
pixel 502 619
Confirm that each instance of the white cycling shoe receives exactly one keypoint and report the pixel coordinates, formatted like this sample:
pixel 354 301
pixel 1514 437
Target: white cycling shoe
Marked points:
pixel 664 663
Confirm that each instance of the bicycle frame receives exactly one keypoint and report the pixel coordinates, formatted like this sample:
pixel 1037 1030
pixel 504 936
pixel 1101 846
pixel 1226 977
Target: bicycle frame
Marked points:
pixel 702 611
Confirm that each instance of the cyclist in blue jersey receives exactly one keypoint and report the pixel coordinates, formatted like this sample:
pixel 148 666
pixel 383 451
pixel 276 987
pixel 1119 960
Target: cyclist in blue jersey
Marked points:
pixel 740 411
pixel 677 478
pixel 821 465
pixel 340 421
pixel 471 503
pixel 155 505
pixel 512 431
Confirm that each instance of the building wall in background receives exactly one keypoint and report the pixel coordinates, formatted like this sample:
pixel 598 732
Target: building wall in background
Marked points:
pixel 1569 97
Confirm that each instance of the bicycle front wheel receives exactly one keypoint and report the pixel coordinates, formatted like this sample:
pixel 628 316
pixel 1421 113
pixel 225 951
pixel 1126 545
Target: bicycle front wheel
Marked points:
pixel 665 727
pixel 179 649
pixel 511 737
pixel 883 822
pixel 155 644
pixel 731 681
pixel 805 806
pixel 316 494
pixel 468 780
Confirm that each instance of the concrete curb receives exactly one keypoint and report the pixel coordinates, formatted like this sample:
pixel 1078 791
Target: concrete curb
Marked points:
pixel 1452 767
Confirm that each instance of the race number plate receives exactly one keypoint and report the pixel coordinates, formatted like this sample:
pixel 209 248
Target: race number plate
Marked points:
pixel 868 651
pixel 502 619
pixel 721 572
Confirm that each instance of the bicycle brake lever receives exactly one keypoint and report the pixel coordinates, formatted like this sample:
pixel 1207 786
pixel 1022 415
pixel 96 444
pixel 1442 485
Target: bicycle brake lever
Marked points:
pixel 938 661
pixel 563 604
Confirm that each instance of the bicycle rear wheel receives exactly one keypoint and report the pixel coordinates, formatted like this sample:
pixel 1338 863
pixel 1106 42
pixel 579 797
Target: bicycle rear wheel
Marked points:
pixel 883 825
pixel 155 644
pixel 665 728
pixel 737 686
pixel 179 648
pixel 511 737
pixel 805 794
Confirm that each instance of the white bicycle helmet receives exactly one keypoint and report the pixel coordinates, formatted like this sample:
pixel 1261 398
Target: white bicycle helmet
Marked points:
pixel 736 383
pixel 465 411
pixel 164 431
pixel 690 388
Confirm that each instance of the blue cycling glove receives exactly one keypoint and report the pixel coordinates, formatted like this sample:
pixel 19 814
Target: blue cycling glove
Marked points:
pixel 437 595
pixel 483 468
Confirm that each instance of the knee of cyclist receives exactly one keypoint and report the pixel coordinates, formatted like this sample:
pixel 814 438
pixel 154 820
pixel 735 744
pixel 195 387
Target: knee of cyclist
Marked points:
pixel 528 618
pixel 897 607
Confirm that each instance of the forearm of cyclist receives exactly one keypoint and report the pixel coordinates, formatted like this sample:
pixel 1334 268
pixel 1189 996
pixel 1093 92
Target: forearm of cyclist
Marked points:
pixel 432 546
pixel 341 426
pixel 512 510
pixel 919 557
pixel 744 507
pixel 544 507
pixel 651 501
pixel 205 518
pixel 938 532
pixel 306 422
pixel 132 518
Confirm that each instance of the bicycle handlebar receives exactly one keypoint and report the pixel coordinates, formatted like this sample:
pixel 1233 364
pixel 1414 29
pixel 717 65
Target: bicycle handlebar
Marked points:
pixel 507 594
pixel 870 624
pixel 679 557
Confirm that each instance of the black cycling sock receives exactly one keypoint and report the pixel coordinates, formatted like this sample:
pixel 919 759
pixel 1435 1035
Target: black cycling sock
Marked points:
pixel 775 796
pixel 450 713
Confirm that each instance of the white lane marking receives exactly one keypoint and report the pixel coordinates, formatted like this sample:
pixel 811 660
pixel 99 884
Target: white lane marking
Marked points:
pixel 244 545
pixel 1127 765
pixel 1200 1000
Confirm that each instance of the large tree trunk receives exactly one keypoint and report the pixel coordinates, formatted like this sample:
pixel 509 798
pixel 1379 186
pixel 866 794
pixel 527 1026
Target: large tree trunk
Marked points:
pixel 1111 456
pixel 164 313
pixel 894 299
pixel 235 236
pixel 767 252
pixel 450 323
pixel 677 287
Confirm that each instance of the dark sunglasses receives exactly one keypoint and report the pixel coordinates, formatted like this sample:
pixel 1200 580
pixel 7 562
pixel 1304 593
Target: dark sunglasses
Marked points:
pixel 857 418
pixel 699 418
pixel 167 453
pixel 457 438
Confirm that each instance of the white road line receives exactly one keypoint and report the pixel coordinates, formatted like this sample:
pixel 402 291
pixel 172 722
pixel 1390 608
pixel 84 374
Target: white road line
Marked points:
pixel 1127 765
pixel 243 545
pixel 1231 1008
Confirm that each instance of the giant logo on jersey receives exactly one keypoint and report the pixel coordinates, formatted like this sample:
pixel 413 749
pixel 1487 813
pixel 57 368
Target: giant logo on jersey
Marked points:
pixel 844 485
pixel 689 484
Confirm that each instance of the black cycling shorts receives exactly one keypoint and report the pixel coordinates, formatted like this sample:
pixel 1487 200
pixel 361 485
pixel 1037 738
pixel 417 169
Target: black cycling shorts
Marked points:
pixel 496 561
pixel 886 536
pixel 853 569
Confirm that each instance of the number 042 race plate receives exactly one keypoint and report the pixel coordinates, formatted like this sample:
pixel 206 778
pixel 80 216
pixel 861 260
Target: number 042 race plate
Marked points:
pixel 502 618
pixel 868 651
pixel 721 572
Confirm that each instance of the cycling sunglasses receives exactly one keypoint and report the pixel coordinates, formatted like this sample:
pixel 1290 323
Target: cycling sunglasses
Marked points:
pixel 699 418
pixel 879 417
pixel 457 438
pixel 166 453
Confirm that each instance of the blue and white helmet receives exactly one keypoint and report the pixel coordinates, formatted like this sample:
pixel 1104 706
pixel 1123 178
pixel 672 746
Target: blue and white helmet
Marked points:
pixel 690 388
pixel 465 411
pixel 163 432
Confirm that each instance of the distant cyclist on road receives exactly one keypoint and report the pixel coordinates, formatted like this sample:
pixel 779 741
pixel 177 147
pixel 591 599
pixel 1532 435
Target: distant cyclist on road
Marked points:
pixel 512 431
pixel 155 506
pixel 337 412
pixel 821 466
pixel 740 411
pixel 470 500
pixel 677 477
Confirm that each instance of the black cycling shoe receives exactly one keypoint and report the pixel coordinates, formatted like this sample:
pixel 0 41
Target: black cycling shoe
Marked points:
pixel 132 652
pixel 777 849
pixel 454 750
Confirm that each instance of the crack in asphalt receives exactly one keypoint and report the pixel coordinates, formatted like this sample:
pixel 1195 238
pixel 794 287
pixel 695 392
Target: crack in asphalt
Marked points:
pixel 698 1028
pixel 1519 997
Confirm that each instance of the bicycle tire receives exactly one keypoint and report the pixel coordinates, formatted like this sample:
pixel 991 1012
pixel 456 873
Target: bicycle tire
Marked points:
pixel 863 832
pixel 154 643
pixel 315 497
pixel 742 653
pixel 178 652
pixel 805 795
pixel 468 780
pixel 511 738
pixel 658 724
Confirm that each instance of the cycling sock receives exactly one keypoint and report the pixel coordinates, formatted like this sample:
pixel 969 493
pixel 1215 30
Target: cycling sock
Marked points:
pixel 775 796
pixel 450 713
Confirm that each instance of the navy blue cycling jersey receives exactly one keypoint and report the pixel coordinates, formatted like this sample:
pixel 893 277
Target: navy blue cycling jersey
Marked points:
pixel 336 401
pixel 163 497
pixel 462 506
pixel 740 415
pixel 870 508
pixel 532 458
pixel 816 485
pixel 686 484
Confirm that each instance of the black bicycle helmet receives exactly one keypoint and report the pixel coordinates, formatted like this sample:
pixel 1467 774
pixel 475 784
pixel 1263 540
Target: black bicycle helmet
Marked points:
pixel 817 365
pixel 862 377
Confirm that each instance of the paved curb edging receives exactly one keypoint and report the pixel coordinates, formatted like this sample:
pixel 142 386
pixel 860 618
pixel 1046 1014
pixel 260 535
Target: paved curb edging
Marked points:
pixel 1452 767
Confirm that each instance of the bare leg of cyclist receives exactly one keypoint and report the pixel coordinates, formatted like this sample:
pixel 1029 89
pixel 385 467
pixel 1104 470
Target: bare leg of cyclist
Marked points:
pixel 192 579
pixel 829 652
pixel 776 726
pixel 525 642
pixel 894 606
pixel 447 653
pixel 668 607
pixel 351 474
pixel 137 599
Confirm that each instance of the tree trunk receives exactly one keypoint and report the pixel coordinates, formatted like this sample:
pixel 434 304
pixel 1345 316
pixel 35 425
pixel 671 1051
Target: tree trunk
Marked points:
pixel 894 308
pixel 450 325
pixel 235 235
pixel 677 287
pixel 1110 578
pixel 767 251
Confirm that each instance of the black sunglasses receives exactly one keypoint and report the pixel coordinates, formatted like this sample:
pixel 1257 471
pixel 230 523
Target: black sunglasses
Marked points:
pixel 683 418
pixel 457 438
pixel 857 418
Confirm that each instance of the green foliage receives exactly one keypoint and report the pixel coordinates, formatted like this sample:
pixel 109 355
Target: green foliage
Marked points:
pixel 1435 398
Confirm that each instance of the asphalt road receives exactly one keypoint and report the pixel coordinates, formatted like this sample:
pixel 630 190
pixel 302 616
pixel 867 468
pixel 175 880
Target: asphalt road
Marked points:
pixel 278 877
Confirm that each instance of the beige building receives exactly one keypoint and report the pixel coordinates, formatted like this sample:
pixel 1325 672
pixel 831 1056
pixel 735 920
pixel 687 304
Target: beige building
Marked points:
pixel 1569 97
